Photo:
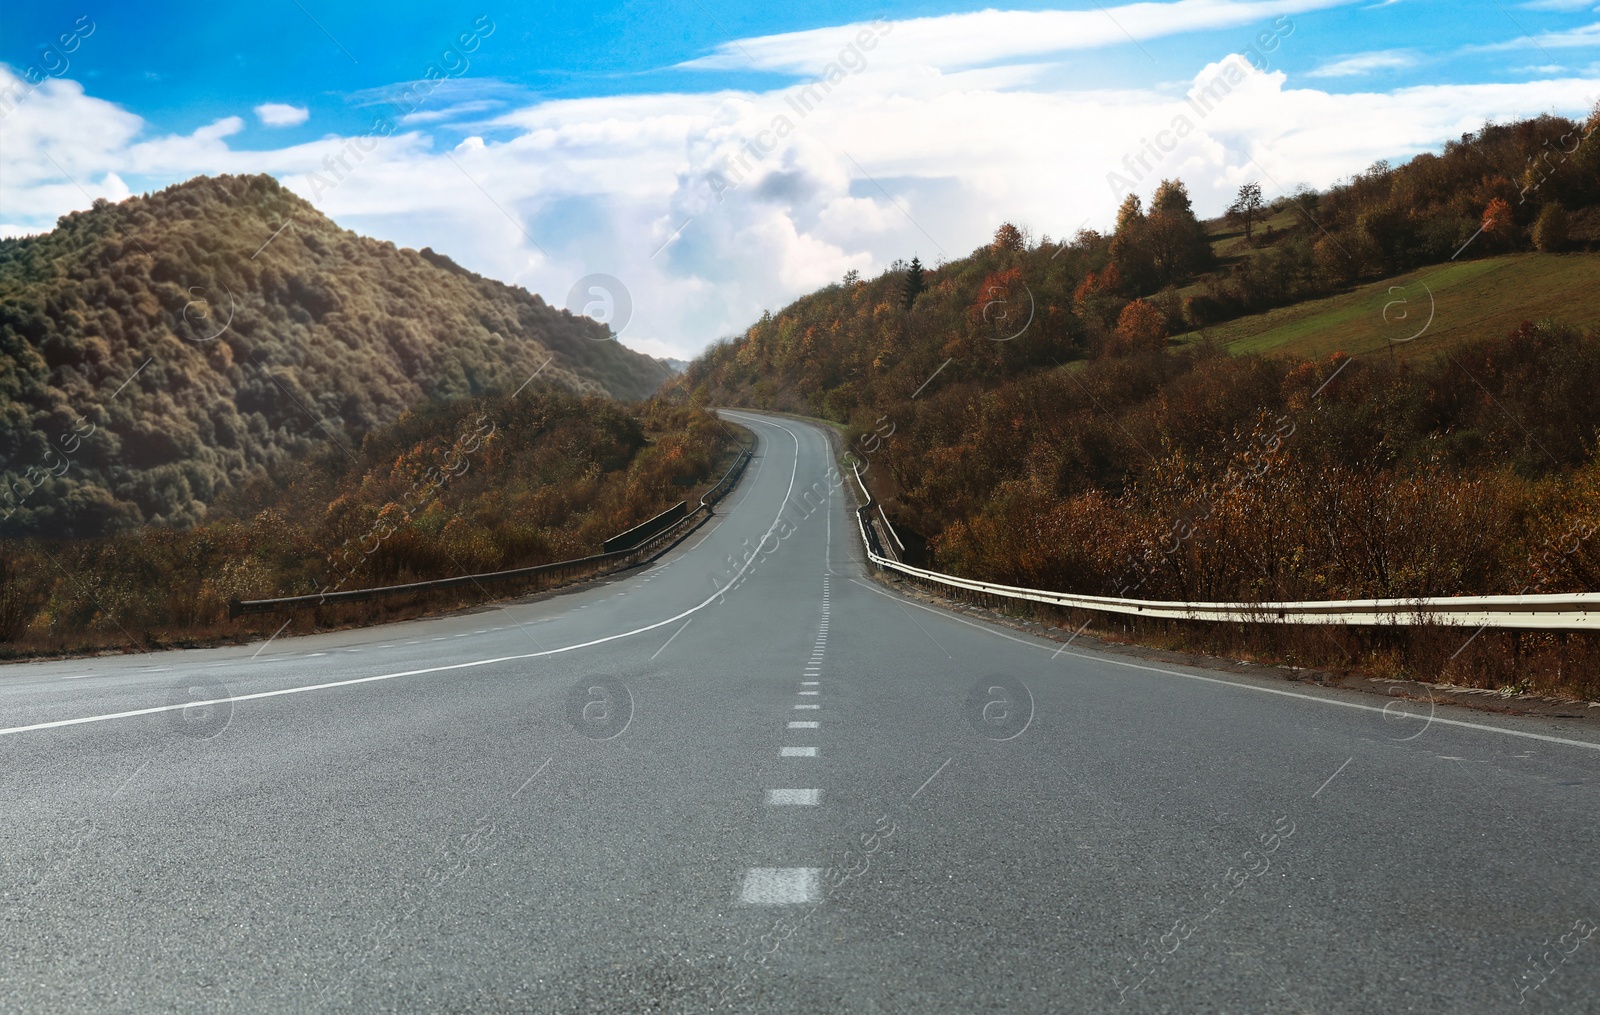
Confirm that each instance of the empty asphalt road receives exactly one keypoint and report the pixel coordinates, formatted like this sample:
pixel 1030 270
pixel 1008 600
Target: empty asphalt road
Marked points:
pixel 803 793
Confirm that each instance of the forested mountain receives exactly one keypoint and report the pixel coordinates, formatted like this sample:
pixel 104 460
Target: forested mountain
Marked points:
pixel 1057 415
pixel 157 352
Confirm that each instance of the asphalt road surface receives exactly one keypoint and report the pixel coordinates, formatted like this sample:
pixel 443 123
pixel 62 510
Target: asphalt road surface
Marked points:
pixel 800 793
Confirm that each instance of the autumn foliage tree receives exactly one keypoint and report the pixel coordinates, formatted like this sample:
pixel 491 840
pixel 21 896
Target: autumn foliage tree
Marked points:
pixel 1177 243
pixel 1497 216
pixel 1499 223
pixel 1140 327
pixel 1007 238
pixel 1550 229
pixel 1130 247
pixel 1099 297
pixel 1002 307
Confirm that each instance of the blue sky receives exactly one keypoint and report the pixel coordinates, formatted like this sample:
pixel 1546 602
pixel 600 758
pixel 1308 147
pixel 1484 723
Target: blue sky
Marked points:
pixel 182 69
pixel 593 138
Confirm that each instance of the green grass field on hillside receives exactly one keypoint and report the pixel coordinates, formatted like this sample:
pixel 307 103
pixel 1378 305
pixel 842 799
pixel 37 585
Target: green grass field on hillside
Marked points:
pixel 1229 243
pixel 1423 312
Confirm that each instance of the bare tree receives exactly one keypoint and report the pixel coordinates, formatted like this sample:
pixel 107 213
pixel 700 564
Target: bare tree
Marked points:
pixel 1247 206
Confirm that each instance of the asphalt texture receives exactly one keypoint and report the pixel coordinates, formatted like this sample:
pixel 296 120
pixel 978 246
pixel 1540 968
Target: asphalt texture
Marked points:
pixel 596 802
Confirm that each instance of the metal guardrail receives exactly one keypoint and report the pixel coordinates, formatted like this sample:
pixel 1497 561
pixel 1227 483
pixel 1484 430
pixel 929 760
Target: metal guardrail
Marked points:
pixel 645 529
pixel 1571 611
pixel 729 478
pixel 647 544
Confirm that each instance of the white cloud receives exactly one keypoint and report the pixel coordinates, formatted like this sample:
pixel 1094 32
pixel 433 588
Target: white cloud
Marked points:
pixel 991 36
pixel 453 112
pixel 1365 63
pixel 279 114
pixel 889 162
pixel 61 150
pixel 1572 38
pixel 1557 5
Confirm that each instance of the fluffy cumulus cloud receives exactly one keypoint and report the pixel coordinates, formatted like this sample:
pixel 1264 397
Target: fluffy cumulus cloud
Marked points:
pixel 280 114
pixel 710 207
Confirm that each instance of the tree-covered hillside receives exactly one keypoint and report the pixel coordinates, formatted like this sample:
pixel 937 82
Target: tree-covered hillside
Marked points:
pixel 1026 416
pixel 158 352
pixel 1018 304
pixel 450 488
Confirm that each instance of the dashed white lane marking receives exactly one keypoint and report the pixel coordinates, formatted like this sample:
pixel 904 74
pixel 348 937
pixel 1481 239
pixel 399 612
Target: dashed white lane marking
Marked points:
pixel 78 676
pixel 781 886
pixel 799 752
pixel 804 725
pixel 810 692
pixel 807 706
pixel 315 654
pixel 794 797
pixel 808 683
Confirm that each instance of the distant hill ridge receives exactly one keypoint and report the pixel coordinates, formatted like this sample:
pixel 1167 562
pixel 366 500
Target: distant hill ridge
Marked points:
pixel 156 352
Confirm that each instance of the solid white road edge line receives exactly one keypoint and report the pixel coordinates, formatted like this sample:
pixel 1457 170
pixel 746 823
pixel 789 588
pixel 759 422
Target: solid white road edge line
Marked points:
pixel 108 717
pixel 1243 687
